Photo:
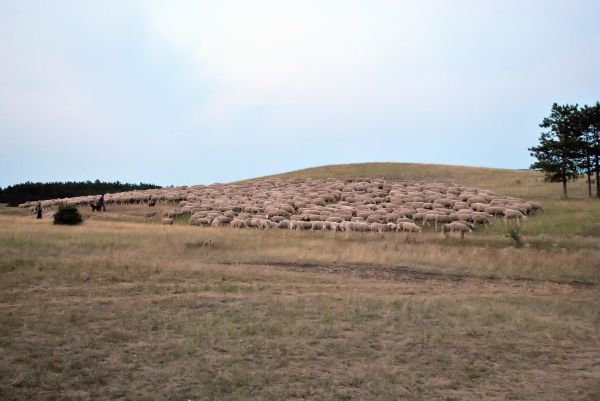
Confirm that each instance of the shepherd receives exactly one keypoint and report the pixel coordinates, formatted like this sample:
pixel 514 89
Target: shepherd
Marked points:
pixel 38 210
pixel 101 203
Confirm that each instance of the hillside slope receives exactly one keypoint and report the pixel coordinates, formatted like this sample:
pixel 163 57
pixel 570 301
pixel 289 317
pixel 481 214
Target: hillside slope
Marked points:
pixel 523 183
pixel 578 215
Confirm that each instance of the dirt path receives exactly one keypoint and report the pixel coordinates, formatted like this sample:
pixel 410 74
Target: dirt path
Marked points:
pixel 405 273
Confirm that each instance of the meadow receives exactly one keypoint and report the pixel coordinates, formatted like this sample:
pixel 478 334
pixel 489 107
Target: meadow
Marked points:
pixel 119 308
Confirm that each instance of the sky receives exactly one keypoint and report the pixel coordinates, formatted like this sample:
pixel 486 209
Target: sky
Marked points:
pixel 196 92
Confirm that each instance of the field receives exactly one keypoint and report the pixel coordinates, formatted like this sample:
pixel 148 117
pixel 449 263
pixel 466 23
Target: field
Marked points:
pixel 121 309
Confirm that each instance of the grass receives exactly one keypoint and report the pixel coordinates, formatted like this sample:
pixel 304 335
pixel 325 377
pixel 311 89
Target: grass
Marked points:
pixel 116 308
pixel 578 215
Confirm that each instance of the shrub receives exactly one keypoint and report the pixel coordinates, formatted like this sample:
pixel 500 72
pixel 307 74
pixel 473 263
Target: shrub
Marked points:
pixel 514 234
pixel 67 214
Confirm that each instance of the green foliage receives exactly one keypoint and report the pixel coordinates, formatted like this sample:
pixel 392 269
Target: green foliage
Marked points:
pixel 514 234
pixel 67 215
pixel 556 153
pixel 30 191
pixel 590 145
pixel 570 146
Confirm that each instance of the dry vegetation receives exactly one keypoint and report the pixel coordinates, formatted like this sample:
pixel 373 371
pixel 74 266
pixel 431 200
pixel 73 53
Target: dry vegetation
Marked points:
pixel 120 309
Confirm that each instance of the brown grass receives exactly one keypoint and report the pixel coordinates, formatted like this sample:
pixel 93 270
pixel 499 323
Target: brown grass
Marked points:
pixel 109 310
pixel 118 309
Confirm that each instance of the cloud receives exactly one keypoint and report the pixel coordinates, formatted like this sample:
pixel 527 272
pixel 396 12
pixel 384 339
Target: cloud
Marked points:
pixel 302 54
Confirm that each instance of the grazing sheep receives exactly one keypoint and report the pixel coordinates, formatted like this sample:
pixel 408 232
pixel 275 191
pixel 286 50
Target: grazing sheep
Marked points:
pixel 303 225
pixel 479 207
pixel 494 210
pixel 358 204
pixel 458 227
pixel 357 226
pixel 284 224
pixel 536 206
pixel 482 218
pixel 202 221
pixel 277 219
pixel 238 223
pixel 514 214
pixel 379 227
pixel 167 221
pixel 317 226
pixel 333 226
pixel 409 227
pixel 263 224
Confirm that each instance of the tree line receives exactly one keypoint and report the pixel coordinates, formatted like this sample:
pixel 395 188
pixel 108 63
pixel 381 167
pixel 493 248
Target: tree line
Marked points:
pixel 569 147
pixel 31 191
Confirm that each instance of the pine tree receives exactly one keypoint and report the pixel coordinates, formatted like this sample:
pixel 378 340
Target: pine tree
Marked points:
pixel 557 152
pixel 591 143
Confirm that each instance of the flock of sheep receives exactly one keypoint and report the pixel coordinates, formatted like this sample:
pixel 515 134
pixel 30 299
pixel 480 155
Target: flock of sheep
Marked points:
pixel 359 204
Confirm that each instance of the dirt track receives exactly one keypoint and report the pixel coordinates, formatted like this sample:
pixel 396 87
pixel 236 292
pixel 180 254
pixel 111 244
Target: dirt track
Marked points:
pixel 407 273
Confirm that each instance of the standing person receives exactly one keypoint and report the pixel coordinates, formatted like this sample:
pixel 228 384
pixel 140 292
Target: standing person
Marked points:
pixel 38 210
pixel 101 203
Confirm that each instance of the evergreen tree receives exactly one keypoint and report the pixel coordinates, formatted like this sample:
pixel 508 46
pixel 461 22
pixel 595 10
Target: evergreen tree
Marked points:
pixel 557 152
pixel 591 143
pixel 30 191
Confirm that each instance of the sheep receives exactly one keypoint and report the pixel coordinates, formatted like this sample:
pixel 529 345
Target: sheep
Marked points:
pixel 218 222
pixel 374 218
pixel 418 216
pixel 514 214
pixel 536 206
pixel 284 224
pixel 323 202
pixel 333 226
pixel 409 227
pixel 203 221
pixel 317 226
pixel 479 207
pixel 238 223
pixel 476 199
pixel 494 210
pixel 458 227
pixel 482 218
pixel 167 221
pixel 263 224
pixel 357 226
pixel 301 225
pixel 379 227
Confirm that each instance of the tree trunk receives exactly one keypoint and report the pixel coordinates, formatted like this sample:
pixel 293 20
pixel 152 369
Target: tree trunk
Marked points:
pixel 564 182
pixel 589 175
pixel 597 177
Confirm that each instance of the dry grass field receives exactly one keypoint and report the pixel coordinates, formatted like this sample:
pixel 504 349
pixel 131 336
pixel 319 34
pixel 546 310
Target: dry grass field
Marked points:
pixel 121 309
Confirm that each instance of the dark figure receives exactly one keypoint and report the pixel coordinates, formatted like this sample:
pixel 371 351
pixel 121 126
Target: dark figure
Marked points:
pixel 95 205
pixel 152 202
pixel 38 210
pixel 101 203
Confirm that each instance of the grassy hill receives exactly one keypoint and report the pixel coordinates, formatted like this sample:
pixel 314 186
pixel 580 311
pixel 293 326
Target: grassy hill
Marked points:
pixel 578 215
pixel 523 183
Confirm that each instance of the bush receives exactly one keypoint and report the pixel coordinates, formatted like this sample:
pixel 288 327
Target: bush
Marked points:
pixel 514 234
pixel 67 214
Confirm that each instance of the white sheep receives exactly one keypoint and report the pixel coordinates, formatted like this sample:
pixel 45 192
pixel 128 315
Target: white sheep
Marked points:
pixel 514 214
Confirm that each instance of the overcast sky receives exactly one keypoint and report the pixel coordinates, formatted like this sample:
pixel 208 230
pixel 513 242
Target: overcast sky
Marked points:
pixel 186 92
